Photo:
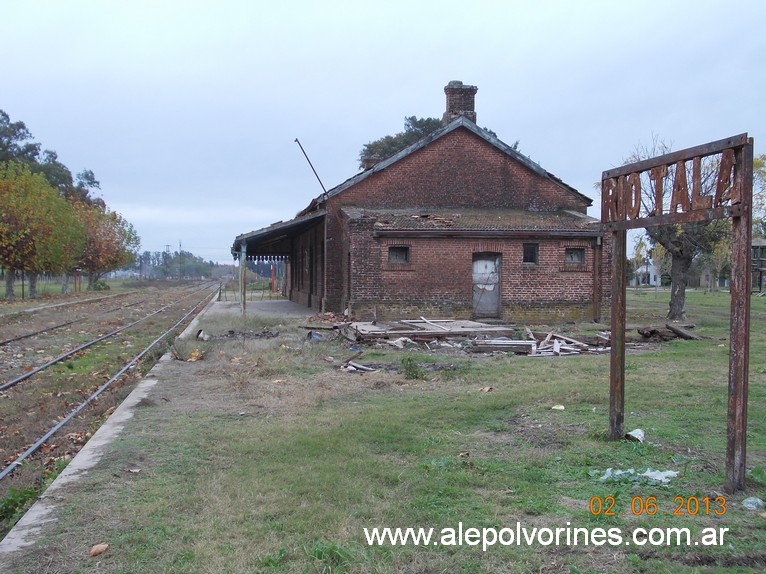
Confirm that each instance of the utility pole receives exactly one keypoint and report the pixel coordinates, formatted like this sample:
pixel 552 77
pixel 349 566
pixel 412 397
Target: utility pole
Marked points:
pixel 166 262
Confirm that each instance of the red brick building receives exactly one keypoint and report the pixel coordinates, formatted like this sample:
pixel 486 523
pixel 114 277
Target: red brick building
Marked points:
pixel 457 225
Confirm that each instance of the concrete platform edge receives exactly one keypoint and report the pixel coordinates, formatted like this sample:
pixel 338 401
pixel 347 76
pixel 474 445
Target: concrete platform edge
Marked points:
pixel 26 530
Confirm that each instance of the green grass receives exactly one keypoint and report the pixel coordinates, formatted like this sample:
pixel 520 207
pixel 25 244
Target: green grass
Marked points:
pixel 292 494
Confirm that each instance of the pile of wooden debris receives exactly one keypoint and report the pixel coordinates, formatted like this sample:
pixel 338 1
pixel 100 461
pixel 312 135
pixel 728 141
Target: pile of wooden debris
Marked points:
pixel 543 345
pixel 421 330
pixel 470 335
pixel 476 337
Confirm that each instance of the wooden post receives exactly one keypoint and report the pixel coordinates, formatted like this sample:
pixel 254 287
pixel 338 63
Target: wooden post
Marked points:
pixel 617 357
pixel 739 339
pixel 242 272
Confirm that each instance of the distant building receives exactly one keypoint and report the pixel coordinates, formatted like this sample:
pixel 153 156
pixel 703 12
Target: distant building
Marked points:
pixel 647 275
pixel 458 224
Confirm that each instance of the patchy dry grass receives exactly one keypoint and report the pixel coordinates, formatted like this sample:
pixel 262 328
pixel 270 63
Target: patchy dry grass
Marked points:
pixel 266 457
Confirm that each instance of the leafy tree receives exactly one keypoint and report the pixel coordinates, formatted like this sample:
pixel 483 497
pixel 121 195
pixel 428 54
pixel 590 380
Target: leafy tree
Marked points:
pixel 59 239
pixel 15 141
pixel 16 227
pixel 110 241
pixel 57 174
pixel 16 145
pixel 38 230
pixel 683 241
pixel 717 259
pixel 50 222
pixel 161 264
pixel 661 260
pixel 414 129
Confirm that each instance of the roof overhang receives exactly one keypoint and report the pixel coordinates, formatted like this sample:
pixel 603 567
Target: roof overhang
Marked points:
pixel 276 238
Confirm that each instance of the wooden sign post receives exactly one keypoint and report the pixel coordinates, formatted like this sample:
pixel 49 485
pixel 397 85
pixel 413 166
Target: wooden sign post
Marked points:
pixel 656 192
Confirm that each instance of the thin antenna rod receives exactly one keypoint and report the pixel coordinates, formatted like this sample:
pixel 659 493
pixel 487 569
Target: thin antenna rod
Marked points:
pixel 310 164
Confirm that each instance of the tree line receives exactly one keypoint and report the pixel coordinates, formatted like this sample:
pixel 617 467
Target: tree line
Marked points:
pixel 183 264
pixel 49 221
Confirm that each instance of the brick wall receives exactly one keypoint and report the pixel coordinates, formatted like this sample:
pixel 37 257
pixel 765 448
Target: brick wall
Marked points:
pixel 459 170
pixel 438 282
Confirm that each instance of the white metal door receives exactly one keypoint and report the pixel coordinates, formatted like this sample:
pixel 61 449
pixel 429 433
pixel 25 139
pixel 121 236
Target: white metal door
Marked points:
pixel 486 285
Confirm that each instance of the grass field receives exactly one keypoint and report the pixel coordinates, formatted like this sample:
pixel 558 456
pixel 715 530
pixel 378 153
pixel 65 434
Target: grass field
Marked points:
pixel 265 457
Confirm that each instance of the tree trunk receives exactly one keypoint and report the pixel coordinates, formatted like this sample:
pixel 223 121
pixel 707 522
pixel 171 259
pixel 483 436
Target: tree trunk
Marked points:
pixel 65 284
pixel 10 277
pixel 32 285
pixel 92 278
pixel 678 268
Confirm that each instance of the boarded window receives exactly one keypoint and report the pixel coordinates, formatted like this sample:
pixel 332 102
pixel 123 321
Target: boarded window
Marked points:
pixel 574 256
pixel 398 254
pixel 530 253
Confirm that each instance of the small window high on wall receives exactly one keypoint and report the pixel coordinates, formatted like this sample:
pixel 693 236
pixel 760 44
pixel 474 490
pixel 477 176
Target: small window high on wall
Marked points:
pixel 399 254
pixel 530 253
pixel 574 256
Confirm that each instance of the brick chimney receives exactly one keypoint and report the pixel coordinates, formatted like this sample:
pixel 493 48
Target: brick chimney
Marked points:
pixel 460 101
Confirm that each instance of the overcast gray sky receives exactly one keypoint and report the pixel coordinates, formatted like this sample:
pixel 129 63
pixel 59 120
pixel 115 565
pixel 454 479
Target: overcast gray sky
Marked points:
pixel 187 111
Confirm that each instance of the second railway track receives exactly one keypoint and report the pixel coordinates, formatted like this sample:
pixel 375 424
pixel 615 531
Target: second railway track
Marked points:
pixel 83 387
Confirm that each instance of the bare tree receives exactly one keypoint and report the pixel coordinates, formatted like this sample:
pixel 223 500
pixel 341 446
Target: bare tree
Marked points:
pixel 683 241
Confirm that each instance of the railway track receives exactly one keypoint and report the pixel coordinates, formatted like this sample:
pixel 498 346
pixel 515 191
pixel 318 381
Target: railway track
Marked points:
pixel 45 347
pixel 23 350
pixel 85 381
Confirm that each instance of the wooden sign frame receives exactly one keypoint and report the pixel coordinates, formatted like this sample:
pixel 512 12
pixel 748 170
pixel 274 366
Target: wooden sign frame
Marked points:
pixel 624 205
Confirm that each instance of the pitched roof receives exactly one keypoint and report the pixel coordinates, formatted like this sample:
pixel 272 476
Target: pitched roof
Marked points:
pixel 455 221
pixel 459 122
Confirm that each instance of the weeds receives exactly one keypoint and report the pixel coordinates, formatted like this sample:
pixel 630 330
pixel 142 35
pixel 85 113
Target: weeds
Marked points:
pixel 15 502
pixel 413 370
pixel 329 557
pixel 274 559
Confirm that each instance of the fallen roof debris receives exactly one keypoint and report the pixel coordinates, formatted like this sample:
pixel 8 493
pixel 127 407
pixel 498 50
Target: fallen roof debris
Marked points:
pixel 476 337
pixel 630 475
pixel 422 330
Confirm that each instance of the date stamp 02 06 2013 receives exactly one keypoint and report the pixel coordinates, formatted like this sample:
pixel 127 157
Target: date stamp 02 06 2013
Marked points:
pixel 648 506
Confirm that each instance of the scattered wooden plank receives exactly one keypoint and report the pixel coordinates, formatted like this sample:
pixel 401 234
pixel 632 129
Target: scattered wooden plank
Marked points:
pixel 571 341
pixel 360 367
pixel 434 324
pixel 510 345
